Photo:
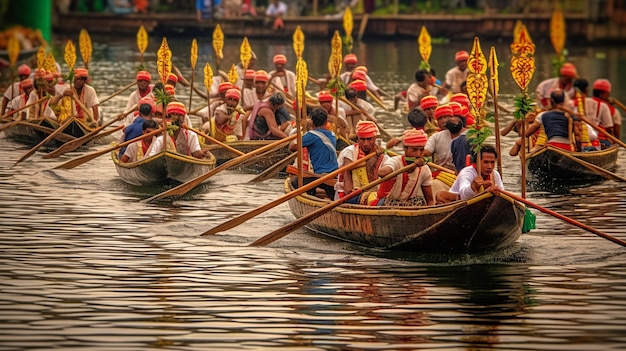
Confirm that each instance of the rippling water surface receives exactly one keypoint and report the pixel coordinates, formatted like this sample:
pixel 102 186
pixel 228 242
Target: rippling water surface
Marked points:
pixel 84 265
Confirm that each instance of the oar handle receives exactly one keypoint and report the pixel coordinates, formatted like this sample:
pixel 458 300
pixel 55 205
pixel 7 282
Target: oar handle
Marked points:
pixel 593 125
pixel 215 141
pixel 281 232
pixel 564 218
pixel 24 107
pixel 355 107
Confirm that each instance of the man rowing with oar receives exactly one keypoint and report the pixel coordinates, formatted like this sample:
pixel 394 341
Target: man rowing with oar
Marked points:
pixel 144 88
pixel 83 94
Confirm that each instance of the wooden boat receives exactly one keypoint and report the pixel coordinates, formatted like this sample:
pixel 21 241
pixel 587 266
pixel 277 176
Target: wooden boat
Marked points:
pixel 162 168
pixel 260 164
pixel 32 133
pixel 549 164
pixel 479 224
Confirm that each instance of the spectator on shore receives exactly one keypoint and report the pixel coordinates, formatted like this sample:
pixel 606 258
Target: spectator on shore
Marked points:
pixel 275 13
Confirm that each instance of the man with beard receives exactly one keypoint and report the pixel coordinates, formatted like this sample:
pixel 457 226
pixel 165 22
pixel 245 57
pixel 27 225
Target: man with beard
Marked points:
pixel 180 140
pixel 348 181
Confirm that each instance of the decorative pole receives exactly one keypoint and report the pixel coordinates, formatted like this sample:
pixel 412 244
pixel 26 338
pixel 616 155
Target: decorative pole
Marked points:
pixel 85 46
pixel 301 79
pixel 164 67
pixel 522 70
pixel 347 27
pixel 208 82
pixel 557 37
pixel 13 48
pixel 218 45
pixel 425 47
pixel 70 59
pixel 495 88
pixel 477 84
pixel 142 42
pixel 194 59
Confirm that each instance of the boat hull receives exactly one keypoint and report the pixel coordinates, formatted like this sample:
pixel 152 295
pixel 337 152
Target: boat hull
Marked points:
pixel 480 224
pixel 162 168
pixel 548 165
pixel 34 133
pixel 259 164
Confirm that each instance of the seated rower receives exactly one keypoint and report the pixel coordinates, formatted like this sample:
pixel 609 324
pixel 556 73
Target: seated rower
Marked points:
pixel 321 148
pixel 137 150
pixel 226 124
pixel 555 123
pixel 468 183
pixel 181 140
pixel 407 189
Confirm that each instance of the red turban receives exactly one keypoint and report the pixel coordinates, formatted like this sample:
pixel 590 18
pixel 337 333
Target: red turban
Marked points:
pixel 443 110
pixel 414 137
pixel 177 108
pixel 461 99
pixel 49 77
pixel 249 74
pixel 361 68
pixel 469 120
pixel 428 101
pixel 358 75
pixel 366 129
pixel 350 58
pixel 23 70
pixel 172 77
pixel 461 56
pixel 233 93
pixel 359 85
pixel 568 70
pixel 144 75
pixel 26 83
pixel 224 86
pixel 169 89
pixel 324 96
pixel 261 75
pixel 81 73
pixel 457 109
pixel 602 84
pixel 149 100
pixel 280 59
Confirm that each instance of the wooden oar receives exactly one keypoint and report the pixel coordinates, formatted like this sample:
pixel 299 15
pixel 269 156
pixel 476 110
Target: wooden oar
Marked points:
pixel 60 129
pixel 364 20
pixel 75 144
pixel 594 168
pixel 246 216
pixel 8 125
pixel 188 186
pixel 564 218
pixel 272 171
pixel 62 137
pixel 619 104
pixel 593 125
pixel 215 141
pixel 121 90
pixel 355 107
pixel 279 233
pixel 377 100
pixel 80 160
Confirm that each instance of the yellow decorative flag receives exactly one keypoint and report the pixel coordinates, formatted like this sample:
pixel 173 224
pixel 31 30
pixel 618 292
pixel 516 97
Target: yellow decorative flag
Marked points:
pixel 13 47
pixel 41 54
pixel 70 56
pixel 522 60
pixel 424 43
pixel 218 42
pixel 85 46
pixel 348 23
pixel 477 82
pixel 50 63
pixel 493 70
pixel 208 77
pixel 302 75
pixel 164 60
pixel 232 74
pixel 142 39
pixel 194 53
pixel 298 42
pixel 245 53
pixel 335 60
pixel 557 31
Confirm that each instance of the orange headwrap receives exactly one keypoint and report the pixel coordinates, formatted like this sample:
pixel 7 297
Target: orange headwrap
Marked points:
pixel 172 77
pixel 358 75
pixel 568 70
pixel 224 86
pixel 249 74
pixel 233 93
pixel 443 110
pixel 428 101
pixel 261 76
pixel 280 59
pixel 177 108
pixel 414 137
pixel 350 58
pixel 461 56
pixel 359 85
pixel 602 84
pixel 144 75
pixel 23 70
pixel 461 99
pixel 81 73
pixel 324 96
pixel 26 83
pixel 366 129
pixel 169 89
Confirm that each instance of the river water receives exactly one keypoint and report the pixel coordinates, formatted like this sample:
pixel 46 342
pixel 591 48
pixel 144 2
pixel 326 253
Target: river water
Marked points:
pixel 84 265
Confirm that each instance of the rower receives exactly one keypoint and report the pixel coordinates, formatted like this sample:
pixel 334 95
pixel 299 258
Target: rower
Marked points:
pixel 556 124
pixel 457 74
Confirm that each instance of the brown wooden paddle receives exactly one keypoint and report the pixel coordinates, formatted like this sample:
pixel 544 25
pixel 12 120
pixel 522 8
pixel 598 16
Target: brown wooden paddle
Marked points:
pixel 59 129
pixel 274 169
pixel 75 144
pixel 564 218
pixel 279 233
pixel 215 141
pixel 121 90
pixel 290 195
pixel 80 160
pixel 62 137
pixel 188 186
pixel 21 109
pixel 595 169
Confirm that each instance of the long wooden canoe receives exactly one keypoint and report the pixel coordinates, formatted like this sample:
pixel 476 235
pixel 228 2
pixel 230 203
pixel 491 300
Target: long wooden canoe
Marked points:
pixel 32 133
pixel 260 164
pixel 162 168
pixel 552 165
pixel 480 224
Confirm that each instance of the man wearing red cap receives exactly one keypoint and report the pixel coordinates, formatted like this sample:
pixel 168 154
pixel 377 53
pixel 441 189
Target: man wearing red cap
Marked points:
pixel 144 88
pixel 336 118
pixel 438 145
pixel 417 119
pixel 181 140
pixel 601 91
pixel 407 189
pixel 458 74
pixel 26 86
pixel 23 72
pixel 281 78
pixel 351 68
pixel 84 93
pixel 261 123
pixel 215 102
pixel 469 183
pixel 137 150
pixel 563 82
pixel 259 93
pixel 348 181
pixel 146 108
pixel 227 119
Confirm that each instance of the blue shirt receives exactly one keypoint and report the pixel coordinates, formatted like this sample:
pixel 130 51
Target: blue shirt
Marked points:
pixel 132 131
pixel 322 157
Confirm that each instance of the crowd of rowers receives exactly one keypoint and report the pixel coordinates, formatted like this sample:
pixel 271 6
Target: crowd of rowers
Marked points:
pixel 260 105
